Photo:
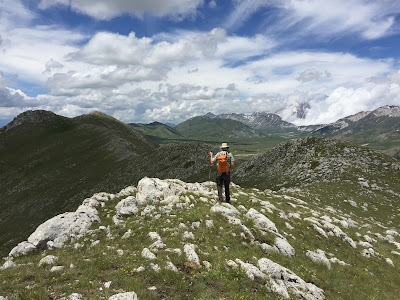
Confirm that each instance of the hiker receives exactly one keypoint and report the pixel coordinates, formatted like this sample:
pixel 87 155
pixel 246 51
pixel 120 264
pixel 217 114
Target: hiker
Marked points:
pixel 225 162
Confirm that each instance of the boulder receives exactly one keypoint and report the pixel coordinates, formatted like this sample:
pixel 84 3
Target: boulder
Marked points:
pixel 127 207
pixel 191 254
pixel 252 271
pixel 75 296
pixel 284 277
pixel 48 260
pixel 318 256
pixel 124 296
pixel 261 221
pixel 283 246
pixel 8 264
pixel 58 230
pixel 22 249
pixel 146 253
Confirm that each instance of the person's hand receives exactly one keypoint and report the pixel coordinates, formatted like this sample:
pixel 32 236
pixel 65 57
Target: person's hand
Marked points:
pixel 211 154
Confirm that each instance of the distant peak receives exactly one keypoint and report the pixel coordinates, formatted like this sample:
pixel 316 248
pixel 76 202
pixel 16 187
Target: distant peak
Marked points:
pixel 29 116
pixel 388 110
pixel 209 115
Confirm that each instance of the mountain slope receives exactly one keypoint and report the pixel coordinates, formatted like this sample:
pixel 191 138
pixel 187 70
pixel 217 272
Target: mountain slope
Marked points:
pixel 157 131
pixel 303 161
pixel 216 128
pixel 259 120
pixel 49 163
pixel 378 129
pixel 167 239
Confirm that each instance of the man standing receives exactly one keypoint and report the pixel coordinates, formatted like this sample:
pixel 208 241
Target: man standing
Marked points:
pixel 225 163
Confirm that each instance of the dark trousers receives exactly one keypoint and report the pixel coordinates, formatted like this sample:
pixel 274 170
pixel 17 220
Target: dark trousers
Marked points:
pixel 223 179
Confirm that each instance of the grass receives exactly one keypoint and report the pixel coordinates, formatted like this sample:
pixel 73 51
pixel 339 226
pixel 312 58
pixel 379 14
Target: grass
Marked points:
pixel 93 266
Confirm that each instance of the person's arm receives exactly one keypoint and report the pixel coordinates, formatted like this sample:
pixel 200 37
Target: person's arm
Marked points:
pixel 211 158
pixel 232 161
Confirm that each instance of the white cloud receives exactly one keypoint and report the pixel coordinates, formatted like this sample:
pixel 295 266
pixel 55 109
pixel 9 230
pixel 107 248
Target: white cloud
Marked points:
pixel 243 11
pixel 368 19
pixel 371 19
pixel 147 79
pixel 115 49
pixel 14 13
pixel 29 49
pixel 212 4
pixel 312 74
pixel 105 9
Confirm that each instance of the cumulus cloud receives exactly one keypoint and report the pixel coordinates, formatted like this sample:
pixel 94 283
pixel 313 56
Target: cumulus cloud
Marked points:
pixel 45 43
pixel 170 77
pixel 52 65
pixel 105 9
pixel 312 74
pixel 114 49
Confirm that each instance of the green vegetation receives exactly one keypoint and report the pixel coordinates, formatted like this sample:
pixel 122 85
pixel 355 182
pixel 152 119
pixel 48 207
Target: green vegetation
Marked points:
pixel 88 268
pixel 51 164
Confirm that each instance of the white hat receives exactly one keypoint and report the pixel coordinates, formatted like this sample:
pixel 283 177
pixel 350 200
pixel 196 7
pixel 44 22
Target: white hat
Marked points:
pixel 224 145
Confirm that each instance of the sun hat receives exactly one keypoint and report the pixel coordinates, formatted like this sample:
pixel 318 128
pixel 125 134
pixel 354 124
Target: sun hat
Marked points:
pixel 224 145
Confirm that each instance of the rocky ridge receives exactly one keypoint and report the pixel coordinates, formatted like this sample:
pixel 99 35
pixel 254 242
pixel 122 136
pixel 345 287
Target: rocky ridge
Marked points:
pixel 172 227
pixel 309 160
pixel 256 120
pixel 382 117
pixel 29 116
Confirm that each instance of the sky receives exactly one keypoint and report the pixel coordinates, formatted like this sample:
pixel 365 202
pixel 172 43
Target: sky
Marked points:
pixel 146 60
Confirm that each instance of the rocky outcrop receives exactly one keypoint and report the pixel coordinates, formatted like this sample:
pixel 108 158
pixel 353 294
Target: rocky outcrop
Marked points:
pixel 29 116
pixel 60 229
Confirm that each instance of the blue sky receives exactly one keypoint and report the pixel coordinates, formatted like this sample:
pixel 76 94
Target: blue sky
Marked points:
pixel 167 61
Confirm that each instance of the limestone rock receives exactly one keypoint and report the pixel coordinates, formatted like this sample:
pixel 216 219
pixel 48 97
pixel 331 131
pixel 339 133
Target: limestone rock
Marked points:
pixel 124 296
pixel 75 296
pixel 127 207
pixel 286 278
pixel 58 230
pixel 48 260
pixel 8 264
pixel 191 255
pixel 261 221
pixel 146 253
pixel 252 271
pixel 225 209
pixel 57 268
pixel 319 256
pixel 22 249
pixel 283 246
pixel 172 267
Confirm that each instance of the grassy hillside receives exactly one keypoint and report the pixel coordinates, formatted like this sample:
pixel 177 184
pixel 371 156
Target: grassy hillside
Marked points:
pixel 338 252
pixel 49 163
pixel 304 161
pixel 157 131
pixel 202 127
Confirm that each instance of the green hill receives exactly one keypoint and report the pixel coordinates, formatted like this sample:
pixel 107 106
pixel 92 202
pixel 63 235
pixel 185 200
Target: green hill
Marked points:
pixel 203 127
pixel 329 170
pixel 157 131
pixel 49 163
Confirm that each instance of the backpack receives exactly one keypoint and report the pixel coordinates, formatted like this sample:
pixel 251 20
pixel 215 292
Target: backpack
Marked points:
pixel 223 165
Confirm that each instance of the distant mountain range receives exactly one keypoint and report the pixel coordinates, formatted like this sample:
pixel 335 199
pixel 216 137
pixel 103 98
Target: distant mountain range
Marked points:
pixel 54 161
pixel 208 126
pixel 257 120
